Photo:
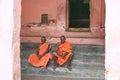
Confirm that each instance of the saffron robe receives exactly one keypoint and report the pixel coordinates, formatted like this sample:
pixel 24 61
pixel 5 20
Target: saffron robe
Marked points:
pixel 63 49
pixel 42 62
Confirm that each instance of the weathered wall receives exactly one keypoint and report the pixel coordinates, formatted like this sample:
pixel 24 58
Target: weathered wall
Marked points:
pixel 32 10
pixel 97 15
pixel 31 13
pixel 56 10
pixel 10 39
pixel 16 40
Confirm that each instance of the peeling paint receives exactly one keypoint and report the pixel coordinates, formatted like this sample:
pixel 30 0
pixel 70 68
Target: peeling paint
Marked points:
pixel 57 20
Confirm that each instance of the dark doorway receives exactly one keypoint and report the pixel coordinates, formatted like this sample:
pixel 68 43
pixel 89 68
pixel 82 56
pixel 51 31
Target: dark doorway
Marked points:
pixel 79 14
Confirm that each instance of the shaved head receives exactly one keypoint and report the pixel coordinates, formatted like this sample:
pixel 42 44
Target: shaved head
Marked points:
pixel 43 39
pixel 62 38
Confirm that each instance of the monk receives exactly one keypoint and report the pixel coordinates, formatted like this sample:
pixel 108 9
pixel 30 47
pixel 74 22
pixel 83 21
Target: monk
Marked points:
pixel 63 54
pixel 42 57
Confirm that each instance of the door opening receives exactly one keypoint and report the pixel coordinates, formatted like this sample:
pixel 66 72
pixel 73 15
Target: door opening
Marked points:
pixel 79 15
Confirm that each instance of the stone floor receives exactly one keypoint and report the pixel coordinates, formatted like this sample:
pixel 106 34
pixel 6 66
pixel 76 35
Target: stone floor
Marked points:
pixel 87 64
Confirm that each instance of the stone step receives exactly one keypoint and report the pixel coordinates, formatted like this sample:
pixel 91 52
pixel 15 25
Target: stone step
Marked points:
pixel 29 51
pixel 87 64
pixel 81 70
pixel 77 59
pixel 59 70
pixel 38 77
pixel 64 72
pixel 75 64
pixel 76 47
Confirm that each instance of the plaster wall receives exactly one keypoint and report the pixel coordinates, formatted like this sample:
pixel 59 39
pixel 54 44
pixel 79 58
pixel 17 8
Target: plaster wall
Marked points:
pixel 10 39
pixel 112 63
pixel 112 41
pixel 32 10
pixel 97 14
pixel 57 11
pixel 6 29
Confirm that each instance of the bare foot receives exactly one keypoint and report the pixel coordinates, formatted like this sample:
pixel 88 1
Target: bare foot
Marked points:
pixel 43 67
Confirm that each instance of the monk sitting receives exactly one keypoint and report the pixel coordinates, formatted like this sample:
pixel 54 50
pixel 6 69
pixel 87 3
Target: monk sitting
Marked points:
pixel 42 57
pixel 64 54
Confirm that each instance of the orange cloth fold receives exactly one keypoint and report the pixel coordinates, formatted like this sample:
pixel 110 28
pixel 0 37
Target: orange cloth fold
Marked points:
pixel 35 61
pixel 64 48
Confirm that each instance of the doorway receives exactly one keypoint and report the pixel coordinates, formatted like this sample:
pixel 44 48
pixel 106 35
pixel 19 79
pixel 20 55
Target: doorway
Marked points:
pixel 79 11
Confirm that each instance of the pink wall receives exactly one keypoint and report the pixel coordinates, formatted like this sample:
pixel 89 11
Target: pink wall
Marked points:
pixel 97 16
pixel 16 40
pixel 56 9
pixel 61 13
pixel 32 10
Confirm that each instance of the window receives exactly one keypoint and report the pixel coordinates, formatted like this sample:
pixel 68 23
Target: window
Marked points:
pixel 44 19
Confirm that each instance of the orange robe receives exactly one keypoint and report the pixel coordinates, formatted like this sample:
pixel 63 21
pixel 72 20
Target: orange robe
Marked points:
pixel 35 61
pixel 62 49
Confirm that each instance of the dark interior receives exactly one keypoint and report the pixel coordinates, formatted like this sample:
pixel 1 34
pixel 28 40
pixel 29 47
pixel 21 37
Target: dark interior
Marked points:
pixel 79 13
